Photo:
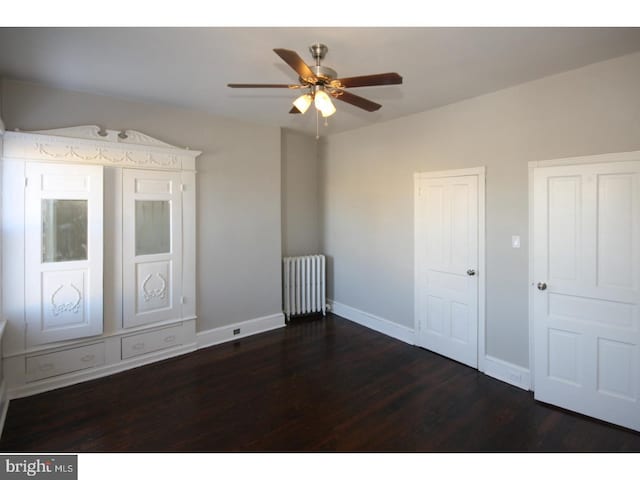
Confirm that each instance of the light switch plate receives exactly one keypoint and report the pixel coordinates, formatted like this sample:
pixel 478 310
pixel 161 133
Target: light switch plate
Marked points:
pixel 515 241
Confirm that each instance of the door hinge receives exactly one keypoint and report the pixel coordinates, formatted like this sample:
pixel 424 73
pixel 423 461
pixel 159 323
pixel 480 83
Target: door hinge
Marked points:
pixel 183 187
pixel 26 181
pixel 183 300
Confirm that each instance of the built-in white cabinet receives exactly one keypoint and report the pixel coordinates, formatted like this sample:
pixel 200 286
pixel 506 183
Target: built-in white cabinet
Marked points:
pixel 98 252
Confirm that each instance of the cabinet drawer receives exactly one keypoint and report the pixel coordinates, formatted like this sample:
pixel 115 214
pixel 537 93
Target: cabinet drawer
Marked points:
pixel 64 361
pixel 147 342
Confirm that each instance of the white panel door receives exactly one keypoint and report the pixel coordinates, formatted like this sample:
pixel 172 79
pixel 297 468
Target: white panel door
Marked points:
pixel 586 305
pixel 446 266
pixel 152 246
pixel 63 252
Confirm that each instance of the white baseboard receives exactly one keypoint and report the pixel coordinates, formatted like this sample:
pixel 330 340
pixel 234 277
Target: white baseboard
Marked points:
pixel 379 324
pixel 215 336
pixel 507 372
pixel 494 367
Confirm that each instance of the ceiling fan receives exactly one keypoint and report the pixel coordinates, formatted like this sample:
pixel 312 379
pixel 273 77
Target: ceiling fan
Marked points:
pixel 322 83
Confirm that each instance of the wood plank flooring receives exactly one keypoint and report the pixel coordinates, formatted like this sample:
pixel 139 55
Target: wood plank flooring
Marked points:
pixel 316 385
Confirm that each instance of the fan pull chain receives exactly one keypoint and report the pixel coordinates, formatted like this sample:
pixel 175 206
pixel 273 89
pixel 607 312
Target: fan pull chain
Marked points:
pixel 317 125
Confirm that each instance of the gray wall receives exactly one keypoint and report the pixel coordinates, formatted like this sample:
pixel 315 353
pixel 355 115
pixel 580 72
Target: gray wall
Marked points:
pixel 1 146
pixel 368 185
pixel 357 204
pixel 301 218
pixel 238 181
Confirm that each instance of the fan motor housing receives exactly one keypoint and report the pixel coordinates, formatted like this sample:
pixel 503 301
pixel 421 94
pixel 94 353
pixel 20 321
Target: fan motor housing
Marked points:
pixel 318 51
pixel 325 74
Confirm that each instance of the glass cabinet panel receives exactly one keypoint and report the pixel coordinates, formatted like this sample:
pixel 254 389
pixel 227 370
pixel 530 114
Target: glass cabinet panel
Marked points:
pixel 64 230
pixel 153 227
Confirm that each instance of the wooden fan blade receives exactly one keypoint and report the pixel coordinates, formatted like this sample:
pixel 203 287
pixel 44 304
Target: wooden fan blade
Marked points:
pixel 360 102
pixel 294 110
pixel 294 61
pixel 390 78
pixel 260 85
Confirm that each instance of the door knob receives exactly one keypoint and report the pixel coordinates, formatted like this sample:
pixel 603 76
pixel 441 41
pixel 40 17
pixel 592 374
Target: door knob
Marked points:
pixel 542 286
pixel 471 272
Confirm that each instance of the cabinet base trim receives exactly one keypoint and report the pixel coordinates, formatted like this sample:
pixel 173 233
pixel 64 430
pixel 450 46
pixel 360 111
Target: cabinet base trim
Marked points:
pixel 215 336
pixel 202 339
pixel 53 383
pixel 49 347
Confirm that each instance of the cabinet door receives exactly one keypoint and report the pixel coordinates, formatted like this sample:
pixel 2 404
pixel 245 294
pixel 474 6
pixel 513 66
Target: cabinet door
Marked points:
pixel 63 252
pixel 152 246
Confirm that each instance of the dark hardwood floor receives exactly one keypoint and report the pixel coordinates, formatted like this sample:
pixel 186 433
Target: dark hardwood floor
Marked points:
pixel 316 385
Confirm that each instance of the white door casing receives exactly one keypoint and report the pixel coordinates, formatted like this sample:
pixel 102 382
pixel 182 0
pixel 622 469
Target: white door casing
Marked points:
pixel 63 252
pixel 449 213
pixel 586 308
pixel 152 246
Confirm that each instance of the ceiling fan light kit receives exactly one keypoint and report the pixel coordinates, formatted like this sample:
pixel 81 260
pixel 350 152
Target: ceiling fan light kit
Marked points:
pixel 323 83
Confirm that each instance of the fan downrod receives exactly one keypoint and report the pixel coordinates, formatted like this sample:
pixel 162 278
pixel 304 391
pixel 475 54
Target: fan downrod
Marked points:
pixel 324 74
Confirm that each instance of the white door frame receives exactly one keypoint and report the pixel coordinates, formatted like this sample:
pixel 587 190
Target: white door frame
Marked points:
pixel 532 165
pixel 480 172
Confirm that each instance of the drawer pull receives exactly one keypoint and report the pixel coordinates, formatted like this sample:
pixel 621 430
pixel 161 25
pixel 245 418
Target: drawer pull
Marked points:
pixel 88 358
pixel 45 367
pixel 170 338
pixel 138 346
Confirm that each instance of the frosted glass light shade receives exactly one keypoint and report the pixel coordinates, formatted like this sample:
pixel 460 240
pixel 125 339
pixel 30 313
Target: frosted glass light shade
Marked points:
pixel 303 102
pixel 324 104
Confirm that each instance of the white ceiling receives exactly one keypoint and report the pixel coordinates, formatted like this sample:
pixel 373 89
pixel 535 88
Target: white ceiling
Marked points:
pixel 190 67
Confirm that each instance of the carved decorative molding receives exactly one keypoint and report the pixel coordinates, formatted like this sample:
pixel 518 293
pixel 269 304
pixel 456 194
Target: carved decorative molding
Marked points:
pixel 72 306
pixel 94 132
pixel 90 144
pixel 138 138
pixel 89 132
pixel 160 292
pixel 69 152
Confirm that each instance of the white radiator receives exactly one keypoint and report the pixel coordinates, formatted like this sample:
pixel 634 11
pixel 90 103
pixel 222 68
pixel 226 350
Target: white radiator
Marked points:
pixel 304 285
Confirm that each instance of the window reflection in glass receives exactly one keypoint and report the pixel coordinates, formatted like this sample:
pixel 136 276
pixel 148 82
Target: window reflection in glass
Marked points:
pixel 64 230
pixel 153 227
